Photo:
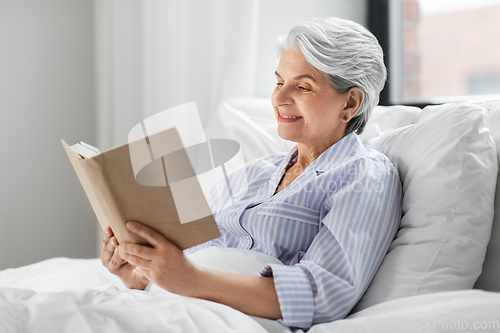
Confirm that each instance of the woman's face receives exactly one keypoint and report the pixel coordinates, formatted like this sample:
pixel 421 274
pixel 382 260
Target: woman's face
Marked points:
pixel 308 109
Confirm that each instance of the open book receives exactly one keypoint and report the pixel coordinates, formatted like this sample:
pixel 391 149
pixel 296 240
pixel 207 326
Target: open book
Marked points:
pixel 162 193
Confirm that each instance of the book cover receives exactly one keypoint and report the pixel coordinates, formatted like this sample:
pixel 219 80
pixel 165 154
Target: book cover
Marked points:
pixel 118 194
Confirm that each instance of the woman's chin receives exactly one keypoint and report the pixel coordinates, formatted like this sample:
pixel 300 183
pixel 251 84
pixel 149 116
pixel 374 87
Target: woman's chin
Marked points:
pixel 287 136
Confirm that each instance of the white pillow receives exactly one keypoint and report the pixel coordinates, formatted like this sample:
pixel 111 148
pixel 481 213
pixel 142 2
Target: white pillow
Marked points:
pixel 448 166
pixel 387 117
pixel 251 122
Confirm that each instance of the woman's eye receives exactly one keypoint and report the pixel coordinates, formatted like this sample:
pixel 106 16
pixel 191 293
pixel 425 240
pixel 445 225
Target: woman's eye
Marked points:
pixel 304 89
pixel 279 83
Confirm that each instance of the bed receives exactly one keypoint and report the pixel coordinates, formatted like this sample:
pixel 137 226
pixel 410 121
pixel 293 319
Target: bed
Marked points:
pixel 432 280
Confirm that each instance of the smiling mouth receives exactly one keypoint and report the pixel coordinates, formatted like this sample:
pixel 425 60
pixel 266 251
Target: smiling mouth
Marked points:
pixel 289 117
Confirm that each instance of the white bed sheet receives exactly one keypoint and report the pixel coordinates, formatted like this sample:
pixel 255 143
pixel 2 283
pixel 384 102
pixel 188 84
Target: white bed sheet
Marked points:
pixel 79 295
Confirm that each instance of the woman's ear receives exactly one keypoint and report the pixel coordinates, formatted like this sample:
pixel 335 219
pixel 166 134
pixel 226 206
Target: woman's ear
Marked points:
pixel 354 99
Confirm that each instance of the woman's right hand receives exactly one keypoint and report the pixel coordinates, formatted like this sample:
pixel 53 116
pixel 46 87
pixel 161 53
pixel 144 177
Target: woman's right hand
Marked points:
pixel 130 275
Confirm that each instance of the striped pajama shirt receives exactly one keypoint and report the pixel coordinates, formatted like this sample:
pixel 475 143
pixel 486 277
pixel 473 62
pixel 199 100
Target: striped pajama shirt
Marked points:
pixel 331 227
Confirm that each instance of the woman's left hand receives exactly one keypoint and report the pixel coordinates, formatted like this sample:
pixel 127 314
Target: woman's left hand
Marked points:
pixel 164 263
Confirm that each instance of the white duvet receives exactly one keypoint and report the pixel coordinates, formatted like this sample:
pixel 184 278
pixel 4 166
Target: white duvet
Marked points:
pixel 79 295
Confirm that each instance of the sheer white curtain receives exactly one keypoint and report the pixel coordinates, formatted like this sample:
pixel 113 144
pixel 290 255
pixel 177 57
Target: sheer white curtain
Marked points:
pixel 155 54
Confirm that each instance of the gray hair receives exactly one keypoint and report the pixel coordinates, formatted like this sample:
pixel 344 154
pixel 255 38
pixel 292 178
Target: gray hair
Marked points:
pixel 348 54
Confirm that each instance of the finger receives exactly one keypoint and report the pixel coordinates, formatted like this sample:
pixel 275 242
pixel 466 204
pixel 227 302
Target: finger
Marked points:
pixel 136 261
pixel 107 234
pixel 137 250
pixel 116 261
pixel 147 233
pixel 109 249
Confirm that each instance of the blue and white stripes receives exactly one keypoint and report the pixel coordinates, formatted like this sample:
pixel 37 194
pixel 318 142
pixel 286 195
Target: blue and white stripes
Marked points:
pixel 331 227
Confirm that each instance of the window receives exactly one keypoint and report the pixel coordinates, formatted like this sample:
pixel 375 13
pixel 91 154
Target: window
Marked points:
pixel 438 51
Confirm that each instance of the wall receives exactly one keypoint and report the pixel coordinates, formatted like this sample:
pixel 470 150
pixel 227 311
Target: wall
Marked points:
pixel 46 94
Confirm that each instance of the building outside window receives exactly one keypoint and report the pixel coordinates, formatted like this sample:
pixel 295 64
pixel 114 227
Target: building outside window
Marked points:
pixel 441 50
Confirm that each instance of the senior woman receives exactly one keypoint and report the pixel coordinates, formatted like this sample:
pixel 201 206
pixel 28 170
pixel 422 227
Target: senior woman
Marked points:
pixel 328 209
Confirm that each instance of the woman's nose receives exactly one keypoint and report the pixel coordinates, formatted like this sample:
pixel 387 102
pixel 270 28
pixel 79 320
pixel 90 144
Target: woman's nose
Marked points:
pixel 281 96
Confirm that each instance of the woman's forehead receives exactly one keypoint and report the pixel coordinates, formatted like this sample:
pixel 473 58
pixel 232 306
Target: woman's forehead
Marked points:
pixel 293 63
